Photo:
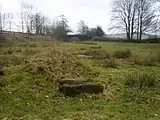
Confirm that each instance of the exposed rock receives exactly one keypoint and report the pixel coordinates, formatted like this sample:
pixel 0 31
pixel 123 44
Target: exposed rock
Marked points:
pixel 73 87
pixel 84 56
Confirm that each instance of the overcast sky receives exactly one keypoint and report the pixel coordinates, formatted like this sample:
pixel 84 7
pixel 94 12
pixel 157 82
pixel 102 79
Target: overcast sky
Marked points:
pixel 92 12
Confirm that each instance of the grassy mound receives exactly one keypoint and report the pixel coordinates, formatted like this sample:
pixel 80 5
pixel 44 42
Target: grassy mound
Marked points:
pixel 55 64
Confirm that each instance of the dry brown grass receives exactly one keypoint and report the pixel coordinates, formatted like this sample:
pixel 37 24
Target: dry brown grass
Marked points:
pixel 56 64
pixel 110 63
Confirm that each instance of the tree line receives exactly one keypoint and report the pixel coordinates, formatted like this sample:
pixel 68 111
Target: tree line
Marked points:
pixel 134 17
pixel 37 23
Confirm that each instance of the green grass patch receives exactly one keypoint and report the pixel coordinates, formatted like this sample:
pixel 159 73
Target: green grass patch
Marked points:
pixel 28 89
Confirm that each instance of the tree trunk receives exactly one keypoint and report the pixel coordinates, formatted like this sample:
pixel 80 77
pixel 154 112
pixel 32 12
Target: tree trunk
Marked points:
pixel 138 31
pixel 0 22
pixel 132 26
pixel 141 27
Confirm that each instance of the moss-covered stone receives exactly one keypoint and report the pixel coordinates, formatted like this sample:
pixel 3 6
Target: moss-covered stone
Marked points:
pixel 73 87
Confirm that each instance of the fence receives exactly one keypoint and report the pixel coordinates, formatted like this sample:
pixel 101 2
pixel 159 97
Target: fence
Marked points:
pixel 10 33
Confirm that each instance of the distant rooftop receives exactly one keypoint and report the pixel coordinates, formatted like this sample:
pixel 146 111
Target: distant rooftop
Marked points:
pixel 73 33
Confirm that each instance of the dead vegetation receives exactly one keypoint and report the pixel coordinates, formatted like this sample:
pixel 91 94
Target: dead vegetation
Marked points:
pixel 56 64
pixel 112 63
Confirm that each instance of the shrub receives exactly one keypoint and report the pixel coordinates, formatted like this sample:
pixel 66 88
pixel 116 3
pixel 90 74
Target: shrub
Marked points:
pixel 2 63
pixel 123 54
pixel 98 54
pixel 14 60
pixel 148 60
pixel 137 90
pixel 30 51
pixel 110 63
pixel 158 57
pixel 139 96
pixel 2 38
pixel 18 49
pixel 3 82
pixel 10 51
pixel 98 38
pixel 41 68
pixel 89 43
pixel 82 48
pixel 140 80
pixel 33 45
pixel 96 47
pixel 6 41
pixel 23 45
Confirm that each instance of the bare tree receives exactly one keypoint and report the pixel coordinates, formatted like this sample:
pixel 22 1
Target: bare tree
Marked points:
pixel 147 19
pixel 10 20
pixel 5 19
pixel 134 16
pixel 28 17
pixel 82 27
pixel 49 27
pixel 2 21
pixel 97 31
pixel 124 16
pixel 22 15
pixel 62 28
pixel 39 22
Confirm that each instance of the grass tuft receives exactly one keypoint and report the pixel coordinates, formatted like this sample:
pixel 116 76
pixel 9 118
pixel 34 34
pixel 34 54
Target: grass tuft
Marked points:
pixel 139 88
pixel 98 54
pixel 3 82
pixel 96 47
pixel 140 80
pixel 148 60
pixel 110 63
pixel 9 51
pixel 122 54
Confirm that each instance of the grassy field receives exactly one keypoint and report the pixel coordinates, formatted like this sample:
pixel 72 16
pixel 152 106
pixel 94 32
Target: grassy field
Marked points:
pixel 131 73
